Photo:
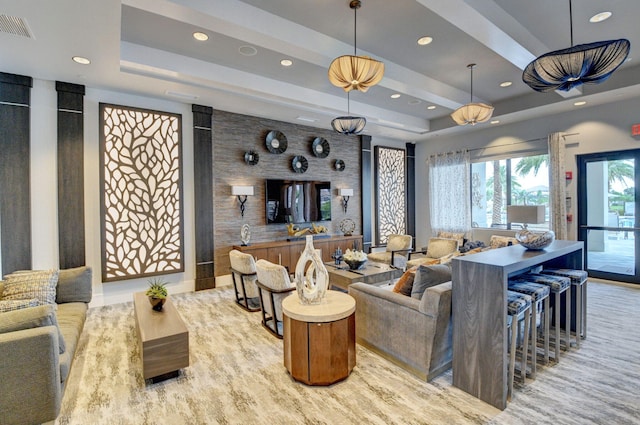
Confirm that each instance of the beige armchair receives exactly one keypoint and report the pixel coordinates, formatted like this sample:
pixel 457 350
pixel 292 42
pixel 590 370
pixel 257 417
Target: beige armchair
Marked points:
pixel 243 272
pixel 396 251
pixel 436 249
pixel 274 285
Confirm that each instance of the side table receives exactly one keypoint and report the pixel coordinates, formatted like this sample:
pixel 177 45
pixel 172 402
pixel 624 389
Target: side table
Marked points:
pixel 320 339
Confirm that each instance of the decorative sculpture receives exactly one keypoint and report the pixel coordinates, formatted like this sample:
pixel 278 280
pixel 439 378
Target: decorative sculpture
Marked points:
pixel 312 284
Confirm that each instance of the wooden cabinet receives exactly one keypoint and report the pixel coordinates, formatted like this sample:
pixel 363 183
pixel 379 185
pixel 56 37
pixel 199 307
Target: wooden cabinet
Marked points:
pixel 287 253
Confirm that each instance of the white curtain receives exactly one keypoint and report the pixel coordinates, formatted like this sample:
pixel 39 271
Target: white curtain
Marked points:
pixel 557 190
pixel 449 194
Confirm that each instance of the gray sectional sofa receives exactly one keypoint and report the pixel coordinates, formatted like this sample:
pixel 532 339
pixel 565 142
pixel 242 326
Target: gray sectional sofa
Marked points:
pixel 412 333
pixel 33 371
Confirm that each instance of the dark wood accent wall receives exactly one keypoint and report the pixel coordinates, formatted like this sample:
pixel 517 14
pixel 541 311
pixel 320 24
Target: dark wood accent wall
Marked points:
pixel 367 202
pixel 233 135
pixel 15 192
pixel 203 192
pixel 71 234
pixel 411 189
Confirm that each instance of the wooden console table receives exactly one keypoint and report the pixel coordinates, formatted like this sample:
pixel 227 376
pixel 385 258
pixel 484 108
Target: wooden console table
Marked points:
pixel 320 339
pixel 479 294
pixel 287 253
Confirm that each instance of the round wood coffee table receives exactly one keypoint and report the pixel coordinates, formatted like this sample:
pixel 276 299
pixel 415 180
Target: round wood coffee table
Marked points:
pixel 320 340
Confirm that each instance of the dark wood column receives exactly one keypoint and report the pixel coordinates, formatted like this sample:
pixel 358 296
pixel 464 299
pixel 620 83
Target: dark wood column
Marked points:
pixel 203 192
pixel 366 178
pixel 71 235
pixel 15 191
pixel 411 190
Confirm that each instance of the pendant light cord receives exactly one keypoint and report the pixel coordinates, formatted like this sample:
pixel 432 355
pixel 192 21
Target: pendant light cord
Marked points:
pixel 471 93
pixel 355 26
pixel 571 23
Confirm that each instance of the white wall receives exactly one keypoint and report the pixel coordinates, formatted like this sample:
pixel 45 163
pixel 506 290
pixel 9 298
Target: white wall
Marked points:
pixel 598 128
pixel 44 188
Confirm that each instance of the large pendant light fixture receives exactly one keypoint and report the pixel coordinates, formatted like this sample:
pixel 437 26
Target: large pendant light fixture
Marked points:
pixel 355 72
pixel 472 113
pixel 349 124
pixel 565 69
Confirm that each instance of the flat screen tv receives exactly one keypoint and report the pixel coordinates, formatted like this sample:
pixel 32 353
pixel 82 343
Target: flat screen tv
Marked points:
pixel 295 201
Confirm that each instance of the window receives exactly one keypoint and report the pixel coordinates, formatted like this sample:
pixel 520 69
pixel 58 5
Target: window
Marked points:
pixel 514 181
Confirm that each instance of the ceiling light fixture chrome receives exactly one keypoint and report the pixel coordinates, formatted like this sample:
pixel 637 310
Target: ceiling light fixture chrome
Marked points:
pixel 565 69
pixel 472 113
pixel 349 124
pixel 352 71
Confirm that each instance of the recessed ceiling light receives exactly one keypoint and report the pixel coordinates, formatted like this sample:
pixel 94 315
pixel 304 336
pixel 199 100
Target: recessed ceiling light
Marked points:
pixel 580 103
pixel 200 36
pixel 81 60
pixel 395 95
pixel 248 50
pixel 414 102
pixel 505 83
pixel 306 119
pixel 423 41
pixel 286 62
pixel 495 121
pixel 182 95
pixel 599 17
pixel 431 107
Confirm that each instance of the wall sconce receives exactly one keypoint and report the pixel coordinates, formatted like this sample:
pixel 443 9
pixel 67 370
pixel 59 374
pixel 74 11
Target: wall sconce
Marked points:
pixel 242 192
pixel 345 193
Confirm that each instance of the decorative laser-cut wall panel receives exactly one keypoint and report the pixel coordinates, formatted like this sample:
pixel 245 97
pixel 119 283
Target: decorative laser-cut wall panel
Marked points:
pixel 141 200
pixel 391 194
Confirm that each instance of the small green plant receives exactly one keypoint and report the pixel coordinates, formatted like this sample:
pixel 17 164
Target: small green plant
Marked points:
pixel 157 289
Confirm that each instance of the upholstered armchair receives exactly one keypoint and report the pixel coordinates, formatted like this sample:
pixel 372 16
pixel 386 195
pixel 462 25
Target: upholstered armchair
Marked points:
pixel 243 272
pixel 274 285
pixel 395 253
pixel 436 249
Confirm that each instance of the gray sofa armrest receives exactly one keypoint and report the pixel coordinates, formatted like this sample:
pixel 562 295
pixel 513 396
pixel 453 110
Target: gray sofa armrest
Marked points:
pixel 74 285
pixel 384 294
pixel 30 376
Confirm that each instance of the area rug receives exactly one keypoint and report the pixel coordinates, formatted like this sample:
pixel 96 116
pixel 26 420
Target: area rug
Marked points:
pixel 237 376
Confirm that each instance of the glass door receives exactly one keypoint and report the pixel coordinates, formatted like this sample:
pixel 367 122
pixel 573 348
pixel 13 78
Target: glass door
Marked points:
pixel 607 219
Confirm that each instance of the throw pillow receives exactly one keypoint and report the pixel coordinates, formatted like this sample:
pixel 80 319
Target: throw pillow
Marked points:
pixel 501 241
pixel 12 305
pixel 40 284
pixel 74 285
pixel 28 318
pixel 405 283
pixel 428 276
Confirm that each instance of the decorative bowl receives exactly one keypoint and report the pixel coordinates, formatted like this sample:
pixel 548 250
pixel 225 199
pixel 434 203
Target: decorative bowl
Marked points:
pixel 355 264
pixel 535 240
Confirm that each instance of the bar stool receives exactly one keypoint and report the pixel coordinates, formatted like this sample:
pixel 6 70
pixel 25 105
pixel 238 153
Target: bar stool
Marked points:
pixel 557 285
pixel 579 282
pixel 538 293
pixel 517 304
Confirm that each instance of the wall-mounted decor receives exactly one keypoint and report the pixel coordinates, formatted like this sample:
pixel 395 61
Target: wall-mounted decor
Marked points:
pixel 141 200
pixel 391 195
pixel 320 147
pixel 347 226
pixel 251 157
pixel 339 165
pixel 276 141
pixel 299 164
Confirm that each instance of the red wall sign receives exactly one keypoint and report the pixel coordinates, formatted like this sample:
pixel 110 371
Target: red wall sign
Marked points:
pixel 635 130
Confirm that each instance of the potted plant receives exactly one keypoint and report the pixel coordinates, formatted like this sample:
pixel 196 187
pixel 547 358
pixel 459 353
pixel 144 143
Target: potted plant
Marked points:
pixel 157 293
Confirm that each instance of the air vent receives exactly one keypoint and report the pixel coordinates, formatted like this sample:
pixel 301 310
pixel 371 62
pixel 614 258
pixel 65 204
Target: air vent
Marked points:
pixel 14 25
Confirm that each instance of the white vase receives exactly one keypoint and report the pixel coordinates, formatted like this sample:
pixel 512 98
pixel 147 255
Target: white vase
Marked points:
pixel 311 285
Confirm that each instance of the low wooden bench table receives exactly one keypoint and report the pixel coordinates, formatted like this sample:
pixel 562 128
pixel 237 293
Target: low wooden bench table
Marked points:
pixel 377 274
pixel 320 339
pixel 163 337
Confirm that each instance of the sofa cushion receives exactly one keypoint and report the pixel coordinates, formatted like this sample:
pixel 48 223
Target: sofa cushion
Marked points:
pixel 34 317
pixel 74 285
pixel 439 247
pixel 405 283
pixel 428 276
pixel 71 318
pixel 38 284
